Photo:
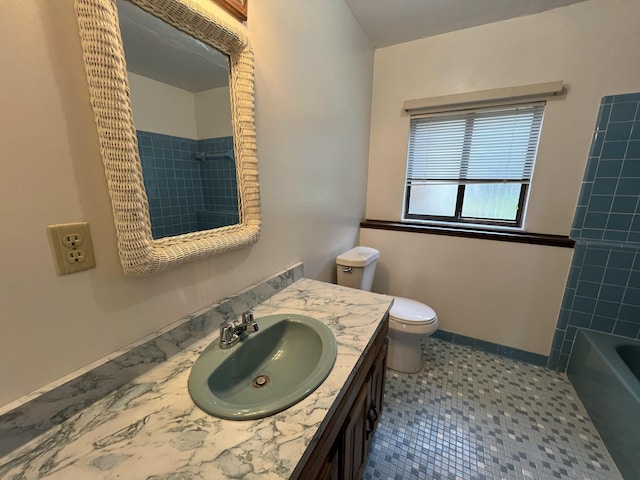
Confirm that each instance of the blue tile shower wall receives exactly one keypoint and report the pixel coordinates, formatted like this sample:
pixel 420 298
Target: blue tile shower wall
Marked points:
pixel 603 289
pixel 219 185
pixel 185 193
pixel 172 181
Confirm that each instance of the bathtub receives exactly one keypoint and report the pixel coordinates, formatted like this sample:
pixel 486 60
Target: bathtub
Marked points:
pixel 605 371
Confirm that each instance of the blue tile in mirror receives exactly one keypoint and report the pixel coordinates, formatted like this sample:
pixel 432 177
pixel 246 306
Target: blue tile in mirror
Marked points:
pixel 191 184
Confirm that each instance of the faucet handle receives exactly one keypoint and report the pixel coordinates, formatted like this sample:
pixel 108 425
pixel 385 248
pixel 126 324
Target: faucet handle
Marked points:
pixel 250 324
pixel 226 332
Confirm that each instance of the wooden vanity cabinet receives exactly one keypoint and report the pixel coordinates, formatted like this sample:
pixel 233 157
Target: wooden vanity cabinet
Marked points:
pixel 331 466
pixel 341 451
pixel 355 437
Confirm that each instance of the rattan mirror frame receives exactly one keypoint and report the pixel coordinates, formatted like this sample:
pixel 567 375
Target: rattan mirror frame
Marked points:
pixel 108 84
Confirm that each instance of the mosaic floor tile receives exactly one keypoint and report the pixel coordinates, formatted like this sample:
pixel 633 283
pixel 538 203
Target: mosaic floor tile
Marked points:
pixel 471 415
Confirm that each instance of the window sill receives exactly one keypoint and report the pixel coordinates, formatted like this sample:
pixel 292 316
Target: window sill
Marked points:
pixel 499 235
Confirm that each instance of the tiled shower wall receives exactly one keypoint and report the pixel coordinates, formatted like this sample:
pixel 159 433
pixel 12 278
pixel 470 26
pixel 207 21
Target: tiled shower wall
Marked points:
pixel 603 289
pixel 186 194
pixel 219 183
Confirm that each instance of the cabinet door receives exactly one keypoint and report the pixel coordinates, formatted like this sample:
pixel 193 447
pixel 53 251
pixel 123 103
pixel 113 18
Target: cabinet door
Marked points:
pixel 354 436
pixel 377 387
pixel 331 468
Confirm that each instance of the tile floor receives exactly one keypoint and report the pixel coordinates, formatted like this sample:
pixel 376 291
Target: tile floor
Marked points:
pixel 474 415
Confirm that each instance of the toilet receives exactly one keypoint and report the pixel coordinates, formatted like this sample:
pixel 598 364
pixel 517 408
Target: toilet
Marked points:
pixel 409 320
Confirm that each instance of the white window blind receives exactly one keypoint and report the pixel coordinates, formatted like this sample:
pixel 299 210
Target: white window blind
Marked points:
pixel 490 145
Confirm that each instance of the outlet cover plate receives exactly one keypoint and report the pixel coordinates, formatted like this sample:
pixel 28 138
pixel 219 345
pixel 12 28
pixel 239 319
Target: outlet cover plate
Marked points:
pixel 72 247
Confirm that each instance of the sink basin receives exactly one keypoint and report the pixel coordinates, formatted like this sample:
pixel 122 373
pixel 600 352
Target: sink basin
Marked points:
pixel 267 371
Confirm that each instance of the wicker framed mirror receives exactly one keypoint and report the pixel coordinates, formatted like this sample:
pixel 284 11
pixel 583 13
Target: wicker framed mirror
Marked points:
pixel 105 66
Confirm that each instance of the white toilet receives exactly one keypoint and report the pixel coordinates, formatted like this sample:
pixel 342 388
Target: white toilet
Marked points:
pixel 409 321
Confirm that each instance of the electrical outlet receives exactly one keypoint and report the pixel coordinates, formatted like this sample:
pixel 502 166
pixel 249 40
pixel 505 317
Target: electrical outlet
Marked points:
pixel 71 240
pixel 72 247
pixel 75 256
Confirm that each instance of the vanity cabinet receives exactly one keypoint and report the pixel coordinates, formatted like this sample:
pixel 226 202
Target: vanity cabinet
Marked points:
pixel 331 466
pixel 342 447
pixel 355 437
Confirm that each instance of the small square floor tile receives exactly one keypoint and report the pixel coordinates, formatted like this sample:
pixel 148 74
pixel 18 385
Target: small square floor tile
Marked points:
pixel 470 414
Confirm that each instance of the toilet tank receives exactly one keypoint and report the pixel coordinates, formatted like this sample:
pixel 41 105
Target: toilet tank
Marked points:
pixel 356 267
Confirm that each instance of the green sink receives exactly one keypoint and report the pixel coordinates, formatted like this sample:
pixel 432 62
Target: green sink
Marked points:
pixel 266 371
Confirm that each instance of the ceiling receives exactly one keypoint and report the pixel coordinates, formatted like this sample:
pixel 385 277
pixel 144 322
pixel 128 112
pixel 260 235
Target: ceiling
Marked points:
pixel 157 50
pixel 389 22
pixel 152 46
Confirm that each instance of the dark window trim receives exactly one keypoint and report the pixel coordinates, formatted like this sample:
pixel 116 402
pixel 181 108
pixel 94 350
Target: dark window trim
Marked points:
pixel 457 217
pixel 485 234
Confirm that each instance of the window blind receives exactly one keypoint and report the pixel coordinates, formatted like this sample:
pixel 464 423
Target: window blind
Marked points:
pixel 490 145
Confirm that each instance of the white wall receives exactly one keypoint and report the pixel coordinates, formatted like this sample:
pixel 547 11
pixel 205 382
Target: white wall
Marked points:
pixel 312 116
pixel 591 47
pixel 505 293
pixel 213 113
pixel 161 108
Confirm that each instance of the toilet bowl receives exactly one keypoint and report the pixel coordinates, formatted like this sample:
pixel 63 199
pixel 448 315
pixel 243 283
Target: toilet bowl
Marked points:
pixel 409 320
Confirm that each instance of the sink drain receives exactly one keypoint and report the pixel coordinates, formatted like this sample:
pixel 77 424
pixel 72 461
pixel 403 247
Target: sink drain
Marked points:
pixel 261 381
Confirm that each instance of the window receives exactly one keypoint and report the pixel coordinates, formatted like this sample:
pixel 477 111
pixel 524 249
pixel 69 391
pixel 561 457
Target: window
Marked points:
pixel 472 166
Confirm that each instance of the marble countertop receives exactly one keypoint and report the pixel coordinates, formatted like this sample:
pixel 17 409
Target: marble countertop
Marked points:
pixel 149 428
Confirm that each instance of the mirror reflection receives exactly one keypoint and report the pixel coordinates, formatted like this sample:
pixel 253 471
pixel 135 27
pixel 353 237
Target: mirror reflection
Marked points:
pixel 182 113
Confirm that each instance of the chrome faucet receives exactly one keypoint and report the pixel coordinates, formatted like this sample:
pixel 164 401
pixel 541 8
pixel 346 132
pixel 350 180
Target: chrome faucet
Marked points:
pixel 231 332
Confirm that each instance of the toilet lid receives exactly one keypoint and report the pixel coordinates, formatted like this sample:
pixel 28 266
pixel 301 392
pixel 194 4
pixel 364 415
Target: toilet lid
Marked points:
pixel 406 310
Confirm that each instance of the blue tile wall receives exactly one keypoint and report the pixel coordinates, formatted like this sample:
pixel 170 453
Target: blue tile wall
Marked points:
pixel 187 194
pixel 219 183
pixel 603 289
